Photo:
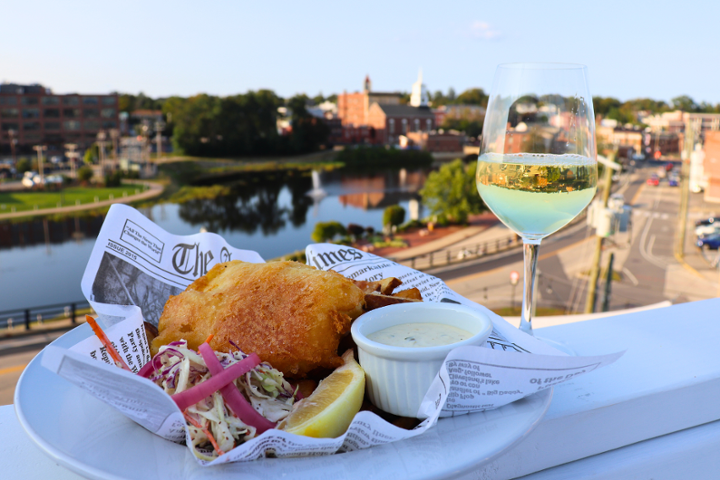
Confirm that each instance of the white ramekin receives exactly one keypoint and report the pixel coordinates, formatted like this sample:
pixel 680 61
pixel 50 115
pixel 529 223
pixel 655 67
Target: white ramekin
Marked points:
pixel 397 378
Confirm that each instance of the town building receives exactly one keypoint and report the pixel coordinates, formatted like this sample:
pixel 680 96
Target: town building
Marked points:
pixel 34 115
pixel 711 166
pixel 380 118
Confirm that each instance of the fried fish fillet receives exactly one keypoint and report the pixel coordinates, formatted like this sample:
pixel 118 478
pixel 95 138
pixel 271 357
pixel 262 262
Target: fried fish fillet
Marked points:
pixel 292 315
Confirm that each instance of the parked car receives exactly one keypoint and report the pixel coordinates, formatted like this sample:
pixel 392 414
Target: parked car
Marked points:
pixel 708 230
pixel 673 181
pixel 669 166
pixel 654 180
pixel 711 242
pixel 707 221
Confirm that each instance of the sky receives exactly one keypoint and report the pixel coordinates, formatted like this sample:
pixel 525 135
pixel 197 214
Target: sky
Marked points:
pixel 656 49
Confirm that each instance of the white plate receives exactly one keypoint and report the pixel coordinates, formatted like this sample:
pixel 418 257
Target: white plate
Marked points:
pixel 95 441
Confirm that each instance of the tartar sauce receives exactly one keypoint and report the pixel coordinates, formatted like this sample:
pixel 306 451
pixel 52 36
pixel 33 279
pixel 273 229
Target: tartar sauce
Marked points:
pixel 419 335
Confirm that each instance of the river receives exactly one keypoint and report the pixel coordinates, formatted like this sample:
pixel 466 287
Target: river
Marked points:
pixel 42 261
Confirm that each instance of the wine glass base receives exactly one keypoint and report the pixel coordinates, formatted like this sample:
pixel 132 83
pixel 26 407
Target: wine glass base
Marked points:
pixel 563 347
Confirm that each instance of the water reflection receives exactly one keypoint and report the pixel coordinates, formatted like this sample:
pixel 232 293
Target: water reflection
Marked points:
pixel 48 232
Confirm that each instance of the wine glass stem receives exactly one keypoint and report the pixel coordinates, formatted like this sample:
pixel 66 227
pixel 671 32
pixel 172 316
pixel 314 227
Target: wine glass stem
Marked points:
pixel 530 251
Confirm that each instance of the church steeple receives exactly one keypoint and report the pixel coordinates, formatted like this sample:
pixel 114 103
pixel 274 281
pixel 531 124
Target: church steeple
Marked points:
pixel 367 86
pixel 419 96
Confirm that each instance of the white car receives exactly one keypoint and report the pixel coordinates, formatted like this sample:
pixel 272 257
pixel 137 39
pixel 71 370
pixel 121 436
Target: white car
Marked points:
pixel 707 229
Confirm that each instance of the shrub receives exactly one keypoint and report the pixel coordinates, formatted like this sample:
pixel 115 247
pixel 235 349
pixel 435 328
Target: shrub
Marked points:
pixel 325 231
pixel 84 173
pixel 393 215
pixel 383 157
pixel 23 165
pixel 113 179
pixel 355 230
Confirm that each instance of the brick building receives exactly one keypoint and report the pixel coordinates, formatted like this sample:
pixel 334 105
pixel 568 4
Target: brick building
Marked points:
pixel 378 118
pixel 711 165
pixel 33 115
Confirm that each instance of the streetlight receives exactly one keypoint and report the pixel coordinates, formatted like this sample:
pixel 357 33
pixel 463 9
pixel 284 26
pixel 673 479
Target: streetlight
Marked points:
pixel 101 136
pixel 115 135
pixel 72 155
pixel 159 125
pixel 39 149
pixel 12 134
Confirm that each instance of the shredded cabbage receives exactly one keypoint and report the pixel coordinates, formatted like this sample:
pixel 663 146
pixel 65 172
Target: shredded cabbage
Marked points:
pixel 178 368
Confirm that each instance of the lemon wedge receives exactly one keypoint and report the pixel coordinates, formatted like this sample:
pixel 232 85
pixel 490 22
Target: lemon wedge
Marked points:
pixel 329 410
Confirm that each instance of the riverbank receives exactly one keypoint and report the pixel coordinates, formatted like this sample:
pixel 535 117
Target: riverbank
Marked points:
pixel 153 190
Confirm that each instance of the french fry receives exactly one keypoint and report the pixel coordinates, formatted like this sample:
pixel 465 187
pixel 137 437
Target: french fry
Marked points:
pixel 377 300
pixel 387 285
pixel 410 293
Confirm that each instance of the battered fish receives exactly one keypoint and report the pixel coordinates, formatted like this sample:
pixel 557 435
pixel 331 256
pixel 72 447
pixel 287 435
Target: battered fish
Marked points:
pixel 292 315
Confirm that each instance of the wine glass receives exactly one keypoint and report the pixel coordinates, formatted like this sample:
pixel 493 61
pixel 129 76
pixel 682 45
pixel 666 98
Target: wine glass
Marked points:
pixel 537 168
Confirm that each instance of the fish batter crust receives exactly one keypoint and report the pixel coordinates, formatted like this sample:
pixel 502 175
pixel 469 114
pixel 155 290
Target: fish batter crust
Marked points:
pixel 292 315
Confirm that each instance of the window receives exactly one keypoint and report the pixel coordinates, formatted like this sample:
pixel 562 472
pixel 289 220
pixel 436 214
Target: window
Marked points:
pixel 428 123
pixel 107 112
pixel 31 137
pixel 404 126
pixel 72 125
pixel 91 125
pixel 9 113
pixel 52 125
pixel 90 113
pixel 109 124
pixel 31 126
pixel 71 101
pixel 8 100
pixel 51 113
pixel 90 100
pixel 51 101
pixel 71 112
pixel 108 100
pixel 29 100
pixel 9 126
pixel 417 124
pixel 391 126
pixel 31 113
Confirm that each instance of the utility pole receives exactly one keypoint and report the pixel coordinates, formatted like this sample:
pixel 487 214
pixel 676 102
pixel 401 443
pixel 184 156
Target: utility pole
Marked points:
pixel 688 147
pixel 610 165
pixel 39 149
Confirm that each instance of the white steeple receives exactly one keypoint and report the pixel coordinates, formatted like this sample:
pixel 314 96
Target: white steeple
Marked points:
pixel 419 96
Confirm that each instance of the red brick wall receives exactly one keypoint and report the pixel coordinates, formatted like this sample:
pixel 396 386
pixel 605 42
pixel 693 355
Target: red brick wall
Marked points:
pixel 711 166
pixel 352 108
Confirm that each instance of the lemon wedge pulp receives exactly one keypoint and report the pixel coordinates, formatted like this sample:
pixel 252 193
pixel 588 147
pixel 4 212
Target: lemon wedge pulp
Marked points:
pixel 329 410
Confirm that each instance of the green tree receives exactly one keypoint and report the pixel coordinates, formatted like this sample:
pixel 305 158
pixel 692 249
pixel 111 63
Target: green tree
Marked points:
pixel 393 216
pixel 602 106
pixel 450 193
pixel 23 165
pixel 325 231
pixel 472 96
pixel 472 128
pixel 84 173
pixel 685 103
pixel 308 131
pixel 91 154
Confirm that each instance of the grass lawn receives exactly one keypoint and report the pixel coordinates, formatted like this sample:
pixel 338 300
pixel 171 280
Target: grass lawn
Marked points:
pixel 22 201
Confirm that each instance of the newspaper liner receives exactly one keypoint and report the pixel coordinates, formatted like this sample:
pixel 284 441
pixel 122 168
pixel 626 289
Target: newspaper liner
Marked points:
pixel 134 267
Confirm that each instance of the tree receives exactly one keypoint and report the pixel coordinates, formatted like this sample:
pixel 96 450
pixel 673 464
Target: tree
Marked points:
pixel 472 96
pixel 84 173
pixel 602 106
pixel 325 231
pixel 393 216
pixel 685 103
pixel 308 131
pixel 23 165
pixel 450 192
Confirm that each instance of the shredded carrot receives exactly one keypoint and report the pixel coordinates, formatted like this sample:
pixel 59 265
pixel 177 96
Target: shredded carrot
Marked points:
pixel 119 362
pixel 205 430
pixel 209 339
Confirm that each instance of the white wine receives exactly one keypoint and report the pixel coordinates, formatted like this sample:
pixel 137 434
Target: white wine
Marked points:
pixel 536 194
